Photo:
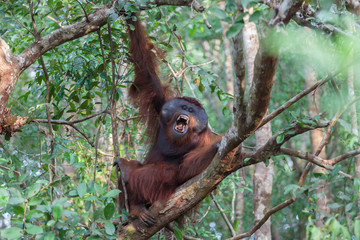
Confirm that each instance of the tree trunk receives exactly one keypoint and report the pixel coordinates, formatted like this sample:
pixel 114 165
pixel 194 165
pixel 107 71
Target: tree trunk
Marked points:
pixel 263 177
pixel 228 64
pixel 239 211
pixel 316 136
pixel 9 73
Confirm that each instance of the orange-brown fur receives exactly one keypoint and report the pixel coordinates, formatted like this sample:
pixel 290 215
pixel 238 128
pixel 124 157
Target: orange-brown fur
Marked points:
pixel 159 176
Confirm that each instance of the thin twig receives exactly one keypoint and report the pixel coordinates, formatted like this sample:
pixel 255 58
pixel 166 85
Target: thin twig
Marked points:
pixel 340 158
pixel 86 16
pixel 293 100
pixel 208 25
pixel 104 64
pixel 205 214
pixel 182 59
pixel 313 159
pixel 70 122
pixel 265 218
pixel 227 221
pixel 193 66
pixel 14 171
pixel 52 171
pixel 114 123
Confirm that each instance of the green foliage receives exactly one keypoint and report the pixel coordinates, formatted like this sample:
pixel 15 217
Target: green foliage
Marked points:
pixel 80 202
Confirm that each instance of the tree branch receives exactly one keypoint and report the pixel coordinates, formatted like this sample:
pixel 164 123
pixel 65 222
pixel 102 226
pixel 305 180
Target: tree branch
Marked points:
pixel 64 34
pixel 265 218
pixel 193 191
pixel 286 11
pixel 313 159
pixel 293 100
pixel 340 158
pixel 226 219
pixel 195 5
pixel 70 122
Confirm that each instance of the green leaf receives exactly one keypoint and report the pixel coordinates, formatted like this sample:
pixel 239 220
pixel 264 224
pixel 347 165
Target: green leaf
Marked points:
pixel 244 3
pixel 334 206
pixel 219 13
pixel 267 162
pixel 81 189
pixel 34 213
pixel 35 201
pixel 236 225
pixel 49 236
pixel 51 223
pixel 99 189
pixel 109 227
pixel 201 87
pixel 16 197
pixel 280 138
pixel 158 15
pixel 317 118
pixel 348 207
pixel 255 16
pixel 335 171
pixel 315 233
pixel 91 198
pixel 109 211
pixel 356 185
pixel 50 3
pixel 234 29
pixel 357 228
pixel 11 233
pixel 32 190
pixel 112 193
pixel 33 229
pixel 18 210
pixel 291 188
pixel 112 18
pixel 4 197
pixel 75 221
pixel 57 211
pixel 178 233
pixel 73 193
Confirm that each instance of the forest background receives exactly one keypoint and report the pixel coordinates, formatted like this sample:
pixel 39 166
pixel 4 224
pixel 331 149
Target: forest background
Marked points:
pixel 279 80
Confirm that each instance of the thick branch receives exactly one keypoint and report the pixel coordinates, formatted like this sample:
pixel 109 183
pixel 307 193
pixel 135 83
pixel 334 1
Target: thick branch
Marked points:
pixel 193 191
pixel 353 6
pixel 8 76
pixel 64 34
pixel 328 28
pixel 191 3
pixel 259 95
pixel 286 11
pixel 259 98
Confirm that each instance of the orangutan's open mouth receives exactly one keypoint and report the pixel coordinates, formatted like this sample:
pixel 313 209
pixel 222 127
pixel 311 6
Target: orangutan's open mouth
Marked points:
pixel 182 123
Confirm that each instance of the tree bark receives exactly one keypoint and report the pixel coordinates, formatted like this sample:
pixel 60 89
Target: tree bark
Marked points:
pixel 316 136
pixel 9 73
pixel 263 177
